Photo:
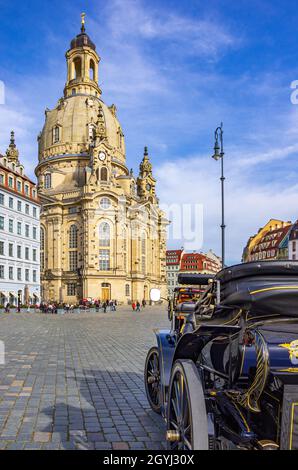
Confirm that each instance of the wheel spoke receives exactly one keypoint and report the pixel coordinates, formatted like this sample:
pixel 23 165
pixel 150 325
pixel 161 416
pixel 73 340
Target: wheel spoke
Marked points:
pixel 155 363
pixel 177 396
pixel 174 404
pixel 181 387
pixel 173 424
pixel 187 429
pixel 187 444
pixel 151 364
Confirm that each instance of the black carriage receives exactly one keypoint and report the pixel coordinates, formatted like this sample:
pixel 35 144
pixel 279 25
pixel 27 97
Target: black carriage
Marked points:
pixel 229 380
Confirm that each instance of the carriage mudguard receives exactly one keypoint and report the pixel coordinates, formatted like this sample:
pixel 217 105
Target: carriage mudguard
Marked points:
pixel 191 344
pixel 166 345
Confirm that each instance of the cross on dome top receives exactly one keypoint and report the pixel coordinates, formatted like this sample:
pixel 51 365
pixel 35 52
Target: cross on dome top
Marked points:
pixel 83 16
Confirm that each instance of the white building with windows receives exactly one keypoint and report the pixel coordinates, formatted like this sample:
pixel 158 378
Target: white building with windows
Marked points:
pixel 173 262
pixel 293 242
pixel 19 233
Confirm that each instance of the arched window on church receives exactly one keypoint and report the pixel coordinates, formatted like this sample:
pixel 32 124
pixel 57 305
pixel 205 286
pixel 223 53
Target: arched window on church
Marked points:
pixel 73 237
pixel 42 249
pixel 120 138
pixel 127 290
pixel 77 63
pixel 105 247
pixel 48 181
pixel 143 252
pixel 73 248
pixel 104 174
pixel 104 234
pixel 92 70
pixel 91 132
pixel 56 134
pixel 124 237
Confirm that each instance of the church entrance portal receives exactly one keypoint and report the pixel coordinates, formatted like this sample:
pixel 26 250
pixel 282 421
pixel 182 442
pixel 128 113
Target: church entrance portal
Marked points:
pixel 106 292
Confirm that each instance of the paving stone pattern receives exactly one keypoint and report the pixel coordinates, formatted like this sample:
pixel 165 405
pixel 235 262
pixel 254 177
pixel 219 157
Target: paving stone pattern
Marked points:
pixel 76 381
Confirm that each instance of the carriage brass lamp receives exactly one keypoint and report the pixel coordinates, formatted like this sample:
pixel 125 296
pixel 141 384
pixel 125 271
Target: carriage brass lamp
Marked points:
pixel 219 155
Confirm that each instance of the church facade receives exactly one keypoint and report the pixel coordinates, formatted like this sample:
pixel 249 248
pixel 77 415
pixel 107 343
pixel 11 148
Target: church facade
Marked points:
pixel 103 235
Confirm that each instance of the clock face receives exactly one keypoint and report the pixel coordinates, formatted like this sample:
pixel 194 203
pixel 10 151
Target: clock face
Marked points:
pixel 102 156
pixel 148 187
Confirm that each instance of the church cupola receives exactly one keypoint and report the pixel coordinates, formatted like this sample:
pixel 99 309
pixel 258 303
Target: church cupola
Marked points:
pixel 146 183
pixel 146 166
pixel 82 65
pixel 12 152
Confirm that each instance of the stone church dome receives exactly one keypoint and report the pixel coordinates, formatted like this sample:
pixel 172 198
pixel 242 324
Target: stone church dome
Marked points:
pixel 69 127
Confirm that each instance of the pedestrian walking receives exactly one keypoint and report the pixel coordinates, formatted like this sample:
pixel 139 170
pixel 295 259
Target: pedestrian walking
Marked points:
pixel 144 303
pixel 133 306
pixel 138 306
pixel 104 306
pixel 7 308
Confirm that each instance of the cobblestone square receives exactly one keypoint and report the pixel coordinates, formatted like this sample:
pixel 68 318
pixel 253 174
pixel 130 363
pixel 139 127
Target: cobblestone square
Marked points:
pixel 75 381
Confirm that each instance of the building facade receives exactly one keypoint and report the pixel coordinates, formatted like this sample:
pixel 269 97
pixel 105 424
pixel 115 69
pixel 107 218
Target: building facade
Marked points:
pixel 270 243
pixel 197 263
pixel 200 263
pixel 103 235
pixel 19 232
pixel 173 261
pixel 293 242
pixel 215 260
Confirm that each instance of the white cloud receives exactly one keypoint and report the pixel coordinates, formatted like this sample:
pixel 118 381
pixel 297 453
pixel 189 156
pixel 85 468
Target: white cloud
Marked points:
pixel 15 115
pixel 249 203
pixel 135 19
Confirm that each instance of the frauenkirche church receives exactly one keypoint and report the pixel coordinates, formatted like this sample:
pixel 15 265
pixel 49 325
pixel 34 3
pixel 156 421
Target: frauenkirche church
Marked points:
pixel 103 235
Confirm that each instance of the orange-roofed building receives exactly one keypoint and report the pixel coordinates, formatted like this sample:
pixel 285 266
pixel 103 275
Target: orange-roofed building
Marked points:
pixel 270 243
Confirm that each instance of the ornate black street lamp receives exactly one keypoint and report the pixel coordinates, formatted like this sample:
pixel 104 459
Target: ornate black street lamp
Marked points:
pixel 219 155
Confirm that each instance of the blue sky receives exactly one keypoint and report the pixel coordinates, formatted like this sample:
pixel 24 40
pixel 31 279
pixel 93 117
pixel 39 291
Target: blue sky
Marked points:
pixel 175 70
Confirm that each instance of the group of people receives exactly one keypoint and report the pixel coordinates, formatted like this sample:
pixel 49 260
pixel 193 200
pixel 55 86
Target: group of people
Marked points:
pixel 49 308
pixel 52 308
pixel 108 304
pixel 8 307
pixel 136 306
pixel 98 305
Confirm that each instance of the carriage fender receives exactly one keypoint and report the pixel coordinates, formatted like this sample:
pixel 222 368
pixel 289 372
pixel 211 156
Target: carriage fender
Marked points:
pixel 166 346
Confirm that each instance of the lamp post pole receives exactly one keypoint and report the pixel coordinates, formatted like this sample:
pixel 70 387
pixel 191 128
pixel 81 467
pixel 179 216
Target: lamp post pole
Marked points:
pixel 219 155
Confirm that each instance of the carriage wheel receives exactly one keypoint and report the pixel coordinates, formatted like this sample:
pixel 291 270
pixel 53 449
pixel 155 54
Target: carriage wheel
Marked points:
pixel 187 427
pixel 152 380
